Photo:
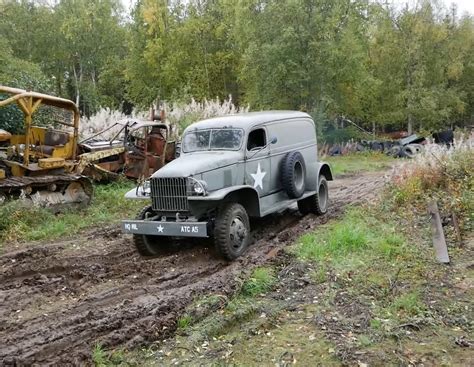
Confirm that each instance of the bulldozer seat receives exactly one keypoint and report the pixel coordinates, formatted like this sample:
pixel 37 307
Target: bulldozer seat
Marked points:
pixel 52 140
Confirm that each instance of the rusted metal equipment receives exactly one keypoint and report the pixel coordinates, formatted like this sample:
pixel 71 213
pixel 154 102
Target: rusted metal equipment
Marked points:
pixel 138 149
pixel 149 147
pixel 41 164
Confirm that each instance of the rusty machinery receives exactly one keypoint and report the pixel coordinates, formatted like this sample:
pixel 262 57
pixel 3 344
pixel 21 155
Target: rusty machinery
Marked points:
pixel 42 163
pixel 52 167
pixel 137 149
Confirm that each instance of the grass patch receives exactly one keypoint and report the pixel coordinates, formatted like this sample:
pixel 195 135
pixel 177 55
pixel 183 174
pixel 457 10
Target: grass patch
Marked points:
pixel 213 315
pixel 19 222
pixel 261 281
pixel 101 358
pixel 409 304
pixel 184 322
pixel 359 231
pixel 358 162
pixel 364 341
pixel 319 275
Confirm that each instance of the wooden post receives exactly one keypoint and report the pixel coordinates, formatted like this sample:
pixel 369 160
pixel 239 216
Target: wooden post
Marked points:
pixel 439 241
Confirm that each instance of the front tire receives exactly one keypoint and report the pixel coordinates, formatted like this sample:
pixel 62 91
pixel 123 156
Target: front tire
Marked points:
pixel 317 203
pixel 231 231
pixel 150 245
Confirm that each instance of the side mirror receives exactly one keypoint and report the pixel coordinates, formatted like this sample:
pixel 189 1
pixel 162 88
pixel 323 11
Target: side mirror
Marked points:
pixel 274 140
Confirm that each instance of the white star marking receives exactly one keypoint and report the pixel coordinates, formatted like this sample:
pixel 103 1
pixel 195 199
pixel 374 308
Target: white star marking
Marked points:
pixel 160 228
pixel 258 177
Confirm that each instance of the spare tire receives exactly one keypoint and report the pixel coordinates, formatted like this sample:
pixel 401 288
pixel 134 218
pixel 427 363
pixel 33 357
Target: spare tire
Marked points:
pixel 293 174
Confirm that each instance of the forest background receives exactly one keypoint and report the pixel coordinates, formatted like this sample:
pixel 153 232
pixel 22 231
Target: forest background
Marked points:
pixel 385 68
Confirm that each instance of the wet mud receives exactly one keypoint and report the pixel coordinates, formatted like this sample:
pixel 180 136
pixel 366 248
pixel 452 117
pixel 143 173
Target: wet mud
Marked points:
pixel 57 300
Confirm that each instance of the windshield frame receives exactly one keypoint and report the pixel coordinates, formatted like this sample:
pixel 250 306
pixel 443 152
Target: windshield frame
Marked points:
pixel 211 129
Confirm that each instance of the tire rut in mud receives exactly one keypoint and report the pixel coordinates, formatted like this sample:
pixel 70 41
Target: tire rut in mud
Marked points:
pixel 57 300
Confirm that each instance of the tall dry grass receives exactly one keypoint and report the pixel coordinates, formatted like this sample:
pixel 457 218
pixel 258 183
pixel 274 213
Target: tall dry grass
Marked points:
pixel 438 173
pixel 178 114
pixel 105 118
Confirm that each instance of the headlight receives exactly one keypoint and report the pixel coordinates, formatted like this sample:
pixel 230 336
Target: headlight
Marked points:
pixel 199 187
pixel 143 189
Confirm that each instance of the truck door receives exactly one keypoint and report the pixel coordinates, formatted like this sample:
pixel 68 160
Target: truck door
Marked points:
pixel 257 164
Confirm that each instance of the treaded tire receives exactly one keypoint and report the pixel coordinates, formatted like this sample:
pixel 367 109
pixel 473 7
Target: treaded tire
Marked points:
pixel 293 174
pixel 231 231
pixel 394 151
pixel 150 245
pixel 408 151
pixel 317 203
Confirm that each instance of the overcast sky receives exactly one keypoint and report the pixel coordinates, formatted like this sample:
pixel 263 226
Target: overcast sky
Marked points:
pixel 463 5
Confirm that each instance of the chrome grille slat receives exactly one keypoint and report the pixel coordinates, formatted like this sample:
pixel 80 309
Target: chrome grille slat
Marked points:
pixel 169 194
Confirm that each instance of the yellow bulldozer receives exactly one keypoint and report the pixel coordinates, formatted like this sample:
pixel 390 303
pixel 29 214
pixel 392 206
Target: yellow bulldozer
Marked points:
pixel 41 164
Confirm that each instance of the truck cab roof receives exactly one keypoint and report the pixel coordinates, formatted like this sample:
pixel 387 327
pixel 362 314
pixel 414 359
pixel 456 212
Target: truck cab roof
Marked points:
pixel 245 121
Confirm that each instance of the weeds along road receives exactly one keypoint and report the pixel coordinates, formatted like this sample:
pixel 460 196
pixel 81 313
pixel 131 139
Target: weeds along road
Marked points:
pixel 58 299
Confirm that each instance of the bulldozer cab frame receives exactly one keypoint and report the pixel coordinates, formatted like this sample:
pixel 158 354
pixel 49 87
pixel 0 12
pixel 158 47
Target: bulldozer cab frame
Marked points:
pixel 29 102
pixel 41 165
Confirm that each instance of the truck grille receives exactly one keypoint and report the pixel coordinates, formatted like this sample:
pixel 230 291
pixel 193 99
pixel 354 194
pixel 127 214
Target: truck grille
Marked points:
pixel 169 193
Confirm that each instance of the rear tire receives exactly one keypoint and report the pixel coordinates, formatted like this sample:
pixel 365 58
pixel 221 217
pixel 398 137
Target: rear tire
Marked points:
pixel 231 231
pixel 150 245
pixel 317 203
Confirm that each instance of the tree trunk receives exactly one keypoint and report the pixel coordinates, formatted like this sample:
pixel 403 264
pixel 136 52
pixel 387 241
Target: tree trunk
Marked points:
pixel 76 84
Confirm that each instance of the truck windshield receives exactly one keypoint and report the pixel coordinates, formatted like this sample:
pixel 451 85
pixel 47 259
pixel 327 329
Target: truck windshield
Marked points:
pixel 212 139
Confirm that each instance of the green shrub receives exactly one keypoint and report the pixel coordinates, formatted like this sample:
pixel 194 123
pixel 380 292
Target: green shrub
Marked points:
pixel 22 216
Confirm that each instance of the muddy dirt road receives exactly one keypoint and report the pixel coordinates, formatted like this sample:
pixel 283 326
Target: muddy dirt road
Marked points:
pixel 58 299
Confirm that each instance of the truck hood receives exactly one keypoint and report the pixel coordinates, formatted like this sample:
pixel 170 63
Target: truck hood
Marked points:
pixel 197 163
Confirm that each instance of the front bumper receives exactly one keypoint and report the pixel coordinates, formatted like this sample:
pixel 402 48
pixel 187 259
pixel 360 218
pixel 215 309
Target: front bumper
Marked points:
pixel 174 229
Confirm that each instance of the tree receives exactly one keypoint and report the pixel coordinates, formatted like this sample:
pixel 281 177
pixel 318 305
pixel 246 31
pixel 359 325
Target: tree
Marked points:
pixel 73 41
pixel 180 49
pixel 17 73
pixel 415 60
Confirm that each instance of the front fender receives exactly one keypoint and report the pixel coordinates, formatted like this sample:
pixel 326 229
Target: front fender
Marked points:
pixel 138 193
pixel 245 195
pixel 222 193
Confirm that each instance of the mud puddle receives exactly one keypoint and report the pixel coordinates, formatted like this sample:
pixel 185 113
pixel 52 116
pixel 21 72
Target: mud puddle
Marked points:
pixel 58 299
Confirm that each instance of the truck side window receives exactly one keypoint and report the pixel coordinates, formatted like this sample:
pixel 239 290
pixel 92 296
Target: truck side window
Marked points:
pixel 257 139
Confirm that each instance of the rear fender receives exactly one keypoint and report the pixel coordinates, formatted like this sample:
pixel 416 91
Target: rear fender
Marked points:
pixel 325 169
